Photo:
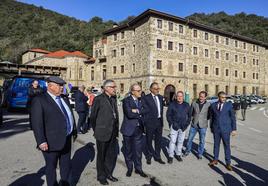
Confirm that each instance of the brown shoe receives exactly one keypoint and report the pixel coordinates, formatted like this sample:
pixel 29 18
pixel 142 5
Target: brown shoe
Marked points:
pixel 229 167
pixel 213 162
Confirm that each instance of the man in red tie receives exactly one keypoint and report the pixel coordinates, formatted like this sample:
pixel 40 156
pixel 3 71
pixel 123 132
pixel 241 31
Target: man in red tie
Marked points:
pixel 223 125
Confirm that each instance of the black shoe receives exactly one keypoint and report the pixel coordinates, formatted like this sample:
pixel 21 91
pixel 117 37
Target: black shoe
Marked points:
pixel 178 158
pixel 160 161
pixel 148 161
pixel 128 174
pixel 103 182
pixel 111 178
pixel 141 173
pixel 170 160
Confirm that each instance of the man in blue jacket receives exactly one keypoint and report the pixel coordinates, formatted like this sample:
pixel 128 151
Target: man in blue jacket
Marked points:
pixel 223 124
pixel 132 129
pixel 81 108
pixel 178 117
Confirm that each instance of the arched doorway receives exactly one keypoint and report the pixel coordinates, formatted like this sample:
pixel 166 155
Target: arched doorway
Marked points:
pixel 169 93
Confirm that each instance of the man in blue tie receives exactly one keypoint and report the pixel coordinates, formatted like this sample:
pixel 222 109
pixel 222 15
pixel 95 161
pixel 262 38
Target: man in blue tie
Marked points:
pixel 223 125
pixel 132 129
pixel 54 126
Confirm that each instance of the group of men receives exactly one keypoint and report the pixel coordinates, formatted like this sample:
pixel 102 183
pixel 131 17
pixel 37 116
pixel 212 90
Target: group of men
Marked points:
pixel 143 116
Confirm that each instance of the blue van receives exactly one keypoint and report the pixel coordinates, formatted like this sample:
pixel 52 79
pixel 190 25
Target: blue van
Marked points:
pixel 17 92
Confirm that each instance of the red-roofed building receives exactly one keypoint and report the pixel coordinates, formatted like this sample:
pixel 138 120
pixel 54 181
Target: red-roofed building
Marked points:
pixel 75 62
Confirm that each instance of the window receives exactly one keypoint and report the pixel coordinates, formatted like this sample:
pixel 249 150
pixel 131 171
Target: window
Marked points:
pixel 217 54
pixel 257 62
pixel 195 69
pixel 253 61
pixel 122 51
pixel 235 90
pixel 227 89
pixel 254 48
pixel 206 52
pixel 159 64
pixel 134 49
pixel 104 74
pixel 244 90
pixel 227 56
pixel 206 36
pixel 206 88
pixel 236 58
pixel 115 37
pixel 216 89
pixel 180 67
pixel 122 35
pixel 226 41
pixel 195 33
pixel 170 45
pixel 257 48
pixel 92 74
pixel 217 39
pixel 159 23
pixel 195 50
pixel 80 76
pixel 217 71
pixel 244 59
pixel 133 67
pixel 180 47
pixel 159 43
pixel 236 43
pixel 170 26
pixel 113 53
pixel 206 70
pixel 257 76
pixel 181 29
pixel 122 69
pixel 236 73
pixel 253 75
pixel 245 45
pixel 114 69
pixel 195 91
pixel 226 72
pixel 244 74
pixel 122 88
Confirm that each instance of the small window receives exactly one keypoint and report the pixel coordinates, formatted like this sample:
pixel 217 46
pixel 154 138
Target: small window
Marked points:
pixel 80 73
pixel 180 67
pixel 133 67
pixel 253 61
pixel 217 54
pixel 122 69
pixel 244 59
pixel 257 48
pixel 227 56
pixel 122 35
pixel 206 88
pixel 122 51
pixel 159 23
pixel 195 33
pixel 114 69
pixel 217 39
pixel 115 37
pixel 134 49
pixel 104 74
pixel 206 52
pixel 159 43
pixel 206 36
pixel 195 50
pixel 253 75
pixel 170 26
pixel 195 69
pixel 257 62
pixel 244 74
pixel 257 75
pixel 180 47
pixel 254 48
pixel 245 45
pixel 236 73
pixel 236 43
pixel 216 89
pixel 181 29
pixel 217 71
pixel 170 45
pixel 92 75
pixel 206 70
pixel 159 64
pixel 236 58
pixel 226 72
pixel 226 41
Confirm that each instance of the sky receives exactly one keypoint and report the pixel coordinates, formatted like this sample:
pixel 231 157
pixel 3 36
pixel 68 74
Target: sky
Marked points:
pixel 118 10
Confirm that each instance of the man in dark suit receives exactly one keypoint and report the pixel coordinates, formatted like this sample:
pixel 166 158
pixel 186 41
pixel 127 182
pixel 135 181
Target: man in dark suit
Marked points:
pixel 223 124
pixel 81 108
pixel 153 119
pixel 104 119
pixel 132 129
pixel 54 126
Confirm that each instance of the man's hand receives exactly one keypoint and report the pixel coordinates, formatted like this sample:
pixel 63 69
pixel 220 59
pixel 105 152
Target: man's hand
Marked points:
pixel 43 147
pixel 234 133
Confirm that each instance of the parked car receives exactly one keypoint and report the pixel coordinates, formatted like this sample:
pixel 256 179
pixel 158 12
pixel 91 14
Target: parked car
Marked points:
pixel 17 92
pixel 212 99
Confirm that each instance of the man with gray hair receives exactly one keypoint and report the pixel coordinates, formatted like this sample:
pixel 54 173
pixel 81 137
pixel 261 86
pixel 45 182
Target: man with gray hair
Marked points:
pixel 81 108
pixel 104 119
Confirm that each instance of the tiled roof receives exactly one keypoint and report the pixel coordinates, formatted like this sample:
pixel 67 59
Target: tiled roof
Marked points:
pixel 38 50
pixel 63 53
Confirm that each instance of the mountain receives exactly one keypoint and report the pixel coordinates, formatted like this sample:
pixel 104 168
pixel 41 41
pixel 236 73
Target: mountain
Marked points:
pixel 26 26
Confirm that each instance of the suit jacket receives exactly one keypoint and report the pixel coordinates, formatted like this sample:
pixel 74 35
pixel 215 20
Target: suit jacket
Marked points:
pixel 102 118
pixel 200 118
pixel 48 122
pixel 150 111
pixel 224 120
pixel 131 120
pixel 81 102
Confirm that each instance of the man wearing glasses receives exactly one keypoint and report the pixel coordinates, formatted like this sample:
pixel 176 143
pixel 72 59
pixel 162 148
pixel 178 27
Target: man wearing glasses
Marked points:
pixel 223 124
pixel 153 119
pixel 105 123
pixel 132 129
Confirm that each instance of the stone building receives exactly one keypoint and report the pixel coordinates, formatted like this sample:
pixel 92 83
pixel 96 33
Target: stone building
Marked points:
pixel 179 54
pixel 73 61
